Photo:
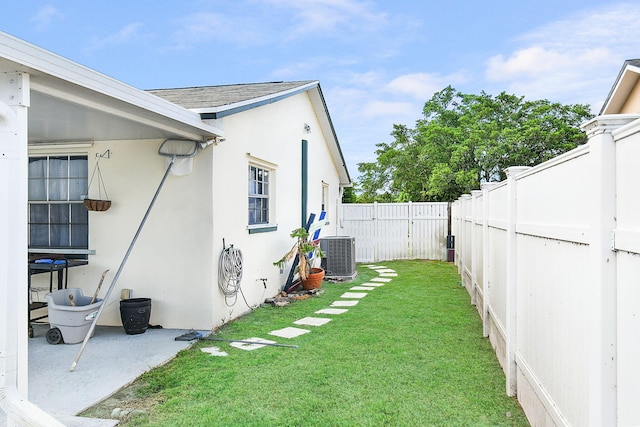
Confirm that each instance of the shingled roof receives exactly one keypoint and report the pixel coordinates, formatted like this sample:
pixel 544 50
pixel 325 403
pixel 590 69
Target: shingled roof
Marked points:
pixel 213 97
pixel 215 102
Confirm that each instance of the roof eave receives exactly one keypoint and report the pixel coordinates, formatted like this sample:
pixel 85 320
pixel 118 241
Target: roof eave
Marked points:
pixel 237 107
pixel 329 131
pixel 319 103
pixel 51 68
pixel 625 81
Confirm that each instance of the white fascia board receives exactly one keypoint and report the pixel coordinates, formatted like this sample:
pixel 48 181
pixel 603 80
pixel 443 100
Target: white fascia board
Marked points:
pixel 250 103
pixel 329 133
pixel 624 85
pixel 40 62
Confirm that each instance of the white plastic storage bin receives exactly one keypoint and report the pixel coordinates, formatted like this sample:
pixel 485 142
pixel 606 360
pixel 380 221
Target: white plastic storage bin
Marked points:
pixel 72 322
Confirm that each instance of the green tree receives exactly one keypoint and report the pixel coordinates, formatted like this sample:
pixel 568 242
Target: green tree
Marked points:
pixel 349 195
pixel 466 139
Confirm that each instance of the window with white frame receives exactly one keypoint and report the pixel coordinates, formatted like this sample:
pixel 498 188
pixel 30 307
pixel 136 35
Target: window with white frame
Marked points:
pixel 325 196
pixel 258 195
pixel 56 214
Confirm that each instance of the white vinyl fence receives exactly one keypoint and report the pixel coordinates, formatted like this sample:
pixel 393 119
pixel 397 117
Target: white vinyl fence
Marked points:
pixel 388 231
pixel 551 259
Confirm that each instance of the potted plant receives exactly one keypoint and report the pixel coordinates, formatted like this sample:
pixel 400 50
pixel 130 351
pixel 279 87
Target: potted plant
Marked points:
pixel 306 250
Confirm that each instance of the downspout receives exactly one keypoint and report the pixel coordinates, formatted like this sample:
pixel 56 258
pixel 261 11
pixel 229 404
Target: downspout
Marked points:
pixel 13 251
pixel 304 169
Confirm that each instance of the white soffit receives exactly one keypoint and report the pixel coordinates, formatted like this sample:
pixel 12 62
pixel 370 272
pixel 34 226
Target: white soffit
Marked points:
pixel 625 85
pixel 70 102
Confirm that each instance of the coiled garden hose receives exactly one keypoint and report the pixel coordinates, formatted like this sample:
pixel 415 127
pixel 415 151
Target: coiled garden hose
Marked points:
pixel 230 272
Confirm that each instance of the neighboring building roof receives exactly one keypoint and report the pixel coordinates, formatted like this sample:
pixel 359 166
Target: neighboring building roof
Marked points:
pixel 622 88
pixel 215 102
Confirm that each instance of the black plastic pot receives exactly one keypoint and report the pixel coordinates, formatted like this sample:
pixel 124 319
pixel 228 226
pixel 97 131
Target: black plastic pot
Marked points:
pixel 135 314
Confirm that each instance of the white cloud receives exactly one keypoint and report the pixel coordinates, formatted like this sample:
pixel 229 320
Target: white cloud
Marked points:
pixel 376 108
pixel 331 17
pixel 202 27
pixel 574 60
pixel 45 16
pixel 364 102
pixel 422 86
pixel 127 34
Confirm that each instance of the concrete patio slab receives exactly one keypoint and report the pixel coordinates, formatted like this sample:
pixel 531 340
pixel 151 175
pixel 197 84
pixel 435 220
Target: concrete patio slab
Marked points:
pixel 332 311
pixel 111 360
pixel 312 321
pixel 289 332
pixel 350 303
pixel 353 295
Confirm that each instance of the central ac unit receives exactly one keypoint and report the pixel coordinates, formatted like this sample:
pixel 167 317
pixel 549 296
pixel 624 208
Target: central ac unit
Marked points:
pixel 340 260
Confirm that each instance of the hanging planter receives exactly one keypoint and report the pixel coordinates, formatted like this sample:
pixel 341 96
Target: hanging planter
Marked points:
pixel 97 205
pixel 100 204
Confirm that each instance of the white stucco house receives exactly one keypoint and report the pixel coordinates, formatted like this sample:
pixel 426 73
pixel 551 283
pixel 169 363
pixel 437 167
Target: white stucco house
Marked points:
pixel 268 158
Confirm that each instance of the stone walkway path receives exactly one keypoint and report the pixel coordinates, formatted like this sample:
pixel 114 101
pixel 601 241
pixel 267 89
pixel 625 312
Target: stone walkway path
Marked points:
pixel 336 308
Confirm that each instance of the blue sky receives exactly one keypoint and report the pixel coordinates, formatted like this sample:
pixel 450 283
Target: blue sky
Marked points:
pixel 377 61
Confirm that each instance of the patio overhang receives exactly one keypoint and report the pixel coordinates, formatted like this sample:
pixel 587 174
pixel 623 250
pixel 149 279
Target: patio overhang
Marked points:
pixel 46 99
pixel 72 103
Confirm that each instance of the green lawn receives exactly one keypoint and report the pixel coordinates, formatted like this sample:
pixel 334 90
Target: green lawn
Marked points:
pixel 411 353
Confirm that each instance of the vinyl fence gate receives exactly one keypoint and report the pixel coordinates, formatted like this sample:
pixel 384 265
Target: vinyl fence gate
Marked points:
pixel 393 231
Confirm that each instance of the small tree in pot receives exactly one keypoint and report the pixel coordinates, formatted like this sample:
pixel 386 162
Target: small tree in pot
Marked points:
pixel 305 249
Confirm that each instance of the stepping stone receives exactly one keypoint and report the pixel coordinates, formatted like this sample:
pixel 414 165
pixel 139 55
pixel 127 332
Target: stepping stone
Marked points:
pixel 372 284
pixel 377 267
pixel 214 351
pixel 380 279
pixel 249 347
pixel 389 274
pixel 349 303
pixel 312 321
pixel 353 295
pixel 332 310
pixel 289 332
pixel 370 266
pixel 361 288
pixel 385 270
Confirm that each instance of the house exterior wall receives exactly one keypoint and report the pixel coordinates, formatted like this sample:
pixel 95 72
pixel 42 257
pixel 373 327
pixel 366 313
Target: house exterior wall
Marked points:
pixel 271 136
pixel 175 259
pixel 169 262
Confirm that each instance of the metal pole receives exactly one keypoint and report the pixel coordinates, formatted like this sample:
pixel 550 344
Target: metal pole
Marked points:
pixel 124 261
pixel 250 342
